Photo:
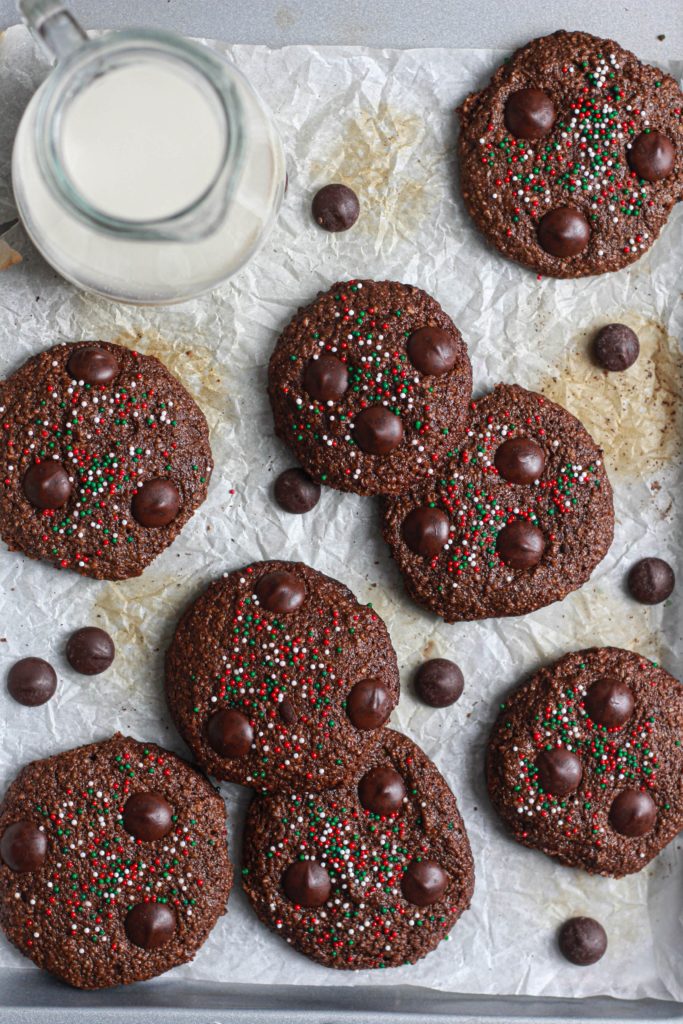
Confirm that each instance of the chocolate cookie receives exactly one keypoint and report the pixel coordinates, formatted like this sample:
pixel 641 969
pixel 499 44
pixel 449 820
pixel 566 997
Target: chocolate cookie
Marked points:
pixel 585 762
pixel 372 875
pixel 276 677
pixel 113 862
pixel 369 386
pixel 103 459
pixel 571 159
pixel 518 518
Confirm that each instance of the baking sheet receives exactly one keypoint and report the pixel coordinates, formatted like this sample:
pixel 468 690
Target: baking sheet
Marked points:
pixel 383 122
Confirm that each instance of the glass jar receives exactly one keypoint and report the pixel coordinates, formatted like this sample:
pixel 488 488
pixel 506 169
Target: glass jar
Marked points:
pixel 145 167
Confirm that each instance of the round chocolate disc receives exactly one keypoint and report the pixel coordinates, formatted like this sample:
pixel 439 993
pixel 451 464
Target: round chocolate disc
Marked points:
pixel 432 351
pixel 326 378
pixel 381 790
pixel 564 232
pixel 559 771
pixel 156 502
pixel 426 530
pixel 616 347
pixel 147 815
pixel 31 681
pixel 23 847
pixel 651 580
pixel 296 492
pixel 47 485
pixel 633 813
pixel 306 883
pixel 90 650
pixel 609 702
pixel 424 882
pixel 93 365
pixel 377 430
pixel 519 460
pixel 335 207
pixel 582 941
pixel 150 925
pixel 229 733
pixel 652 156
pixel 439 682
pixel 529 114
pixel 280 592
pixel 520 544
pixel 369 704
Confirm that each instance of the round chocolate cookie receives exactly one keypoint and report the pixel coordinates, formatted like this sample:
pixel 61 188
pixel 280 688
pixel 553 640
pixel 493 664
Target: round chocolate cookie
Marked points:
pixel 525 507
pixel 585 762
pixel 113 862
pixel 571 159
pixel 371 875
pixel 103 459
pixel 278 677
pixel 369 386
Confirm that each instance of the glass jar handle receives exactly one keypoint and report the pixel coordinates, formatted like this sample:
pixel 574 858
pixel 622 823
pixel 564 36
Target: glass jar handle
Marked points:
pixel 53 25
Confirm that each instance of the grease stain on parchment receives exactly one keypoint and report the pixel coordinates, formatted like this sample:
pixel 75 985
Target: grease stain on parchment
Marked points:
pixel 196 367
pixel 602 619
pixel 385 156
pixel 635 416
pixel 9 257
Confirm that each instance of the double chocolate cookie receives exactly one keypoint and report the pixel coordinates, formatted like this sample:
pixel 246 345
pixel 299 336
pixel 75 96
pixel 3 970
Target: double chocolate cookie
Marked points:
pixel 277 677
pixel 104 456
pixel 517 518
pixel 371 875
pixel 571 159
pixel 113 862
pixel 585 762
pixel 369 386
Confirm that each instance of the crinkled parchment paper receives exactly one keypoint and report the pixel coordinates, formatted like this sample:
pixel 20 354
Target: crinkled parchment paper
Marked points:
pixel 382 121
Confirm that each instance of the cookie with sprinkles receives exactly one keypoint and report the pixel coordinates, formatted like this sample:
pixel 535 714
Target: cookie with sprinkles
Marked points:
pixel 372 875
pixel 104 457
pixel 585 761
pixel 277 677
pixel 113 862
pixel 571 159
pixel 369 386
pixel 518 517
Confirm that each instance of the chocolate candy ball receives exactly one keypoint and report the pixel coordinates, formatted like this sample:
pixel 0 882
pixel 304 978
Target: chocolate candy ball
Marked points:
pixel 47 485
pixel 93 365
pixel 529 113
pixel 377 430
pixel 651 581
pixel 335 207
pixel 582 941
pixel 229 733
pixel 156 503
pixel 31 681
pixel 306 883
pixel 520 544
pixel 369 704
pixel 616 347
pixel 564 232
pixel 426 530
pixel 519 460
pixel 90 650
pixel 439 682
pixel 281 592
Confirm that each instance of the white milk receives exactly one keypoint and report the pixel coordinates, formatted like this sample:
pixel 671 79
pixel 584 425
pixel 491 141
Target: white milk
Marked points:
pixel 143 141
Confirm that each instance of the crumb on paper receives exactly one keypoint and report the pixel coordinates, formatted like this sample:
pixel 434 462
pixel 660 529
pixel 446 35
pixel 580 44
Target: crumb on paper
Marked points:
pixel 9 257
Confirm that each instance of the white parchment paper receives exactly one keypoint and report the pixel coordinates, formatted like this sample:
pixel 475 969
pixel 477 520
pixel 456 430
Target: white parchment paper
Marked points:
pixel 383 122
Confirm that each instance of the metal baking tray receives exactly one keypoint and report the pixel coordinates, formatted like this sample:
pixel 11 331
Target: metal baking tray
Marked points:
pixel 28 996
